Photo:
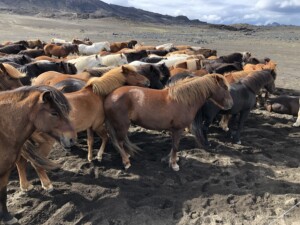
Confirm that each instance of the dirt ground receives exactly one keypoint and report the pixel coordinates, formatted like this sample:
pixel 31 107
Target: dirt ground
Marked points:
pixel 252 183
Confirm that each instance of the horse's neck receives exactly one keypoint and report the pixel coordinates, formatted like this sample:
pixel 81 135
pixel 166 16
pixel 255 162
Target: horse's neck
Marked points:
pixel 254 85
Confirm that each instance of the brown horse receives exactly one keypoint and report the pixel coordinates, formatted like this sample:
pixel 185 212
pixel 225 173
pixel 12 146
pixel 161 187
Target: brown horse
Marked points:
pixel 23 111
pixel 172 108
pixel 60 50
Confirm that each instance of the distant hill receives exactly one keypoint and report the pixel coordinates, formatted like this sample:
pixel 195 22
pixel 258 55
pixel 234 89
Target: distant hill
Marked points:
pixel 87 9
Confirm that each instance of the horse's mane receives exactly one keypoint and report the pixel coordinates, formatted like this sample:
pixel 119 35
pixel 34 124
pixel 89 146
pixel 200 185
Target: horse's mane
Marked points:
pixel 111 80
pixel 188 90
pixel 257 79
pixel 13 72
pixel 60 103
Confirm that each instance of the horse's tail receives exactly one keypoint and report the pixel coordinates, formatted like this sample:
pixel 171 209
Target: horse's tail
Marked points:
pixel 30 154
pixel 197 129
pixel 129 147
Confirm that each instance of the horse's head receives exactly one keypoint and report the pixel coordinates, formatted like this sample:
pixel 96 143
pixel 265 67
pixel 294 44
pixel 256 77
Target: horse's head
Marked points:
pixel 153 74
pixel 221 95
pixel 75 49
pixel 51 115
pixel 270 86
pixel 9 77
pixel 133 77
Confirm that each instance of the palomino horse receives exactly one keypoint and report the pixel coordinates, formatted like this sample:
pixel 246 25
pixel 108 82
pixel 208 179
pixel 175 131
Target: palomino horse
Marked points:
pixel 23 111
pixel 244 98
pixel 86 62
pixel 172 108
pixel 60 50
pixel 95 48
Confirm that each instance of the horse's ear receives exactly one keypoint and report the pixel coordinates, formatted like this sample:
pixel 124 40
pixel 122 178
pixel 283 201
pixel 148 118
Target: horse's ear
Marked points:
pixel 151 68
pixel 2 67
pixel 125 70
pixel 45 97
pixel 96 56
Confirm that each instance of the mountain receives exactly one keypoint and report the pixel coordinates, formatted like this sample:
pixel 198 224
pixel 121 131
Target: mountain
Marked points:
pixel 88 9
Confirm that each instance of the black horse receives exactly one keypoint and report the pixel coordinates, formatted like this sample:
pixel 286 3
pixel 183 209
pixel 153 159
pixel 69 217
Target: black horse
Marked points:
pixel 18 59
pixel 244 99
pixel 12 49
pixel 153 73
pixel 133 56
pixel 36 68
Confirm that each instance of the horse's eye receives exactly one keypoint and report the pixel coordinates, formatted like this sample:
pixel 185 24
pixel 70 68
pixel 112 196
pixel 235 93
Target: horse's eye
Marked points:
pixel 54 114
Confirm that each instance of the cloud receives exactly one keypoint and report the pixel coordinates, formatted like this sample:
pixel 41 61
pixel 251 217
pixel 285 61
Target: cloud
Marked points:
pixel 223 11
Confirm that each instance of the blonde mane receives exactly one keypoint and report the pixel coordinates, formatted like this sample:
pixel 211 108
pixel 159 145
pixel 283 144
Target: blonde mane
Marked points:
pixel 110 80
pixel 189 90
pixel 13 72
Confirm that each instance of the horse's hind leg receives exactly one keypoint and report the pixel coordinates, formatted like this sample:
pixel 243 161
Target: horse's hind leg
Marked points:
pixel 102 132
pixel 21 167
pixel 90 137
pixel 175 143
pixel 297 124
pixel 5 216
pixel 243 116
pixel 46 182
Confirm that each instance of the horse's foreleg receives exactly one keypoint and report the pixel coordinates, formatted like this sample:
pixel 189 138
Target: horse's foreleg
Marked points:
pixel 90 137
pixel 5 216
pixel 243 116
pixel 21 167
pixel 175 143
pixel 102 132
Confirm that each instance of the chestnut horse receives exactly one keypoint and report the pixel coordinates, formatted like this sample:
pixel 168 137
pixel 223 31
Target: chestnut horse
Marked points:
pixel 60 51
pixel 172 108
pixel 23 111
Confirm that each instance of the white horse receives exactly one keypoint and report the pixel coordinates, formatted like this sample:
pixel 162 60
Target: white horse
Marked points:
pixel 60 41
pixel 166 46
pixel 95 48
pixel 297 123
pixel 86 62
pixel 114 60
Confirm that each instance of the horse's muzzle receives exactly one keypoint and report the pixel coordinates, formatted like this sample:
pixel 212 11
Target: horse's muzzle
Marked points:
pixel 228 104
pixel 68 142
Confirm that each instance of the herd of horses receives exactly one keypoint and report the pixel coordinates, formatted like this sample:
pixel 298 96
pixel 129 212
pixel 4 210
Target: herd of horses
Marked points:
pixel 51 91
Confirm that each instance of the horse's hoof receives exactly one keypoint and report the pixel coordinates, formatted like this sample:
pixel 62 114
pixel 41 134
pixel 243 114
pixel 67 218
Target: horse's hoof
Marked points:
pixel 296 125
pixel 49 188
pixel 175 167
pixel 226 129
pixel 99 158
pixel 10 220
pixel 238 142
pixel 30 187
pixel 90 159
pixel 127 166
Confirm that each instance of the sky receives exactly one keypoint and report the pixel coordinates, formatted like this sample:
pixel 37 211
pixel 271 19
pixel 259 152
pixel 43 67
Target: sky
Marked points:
pixel 257 12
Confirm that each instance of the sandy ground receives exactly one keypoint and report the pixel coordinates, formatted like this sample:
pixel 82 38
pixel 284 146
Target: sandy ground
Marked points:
pixel 252 183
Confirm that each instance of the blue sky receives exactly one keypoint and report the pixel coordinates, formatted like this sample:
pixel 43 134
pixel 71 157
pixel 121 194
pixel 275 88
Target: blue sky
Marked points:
pixel 258 12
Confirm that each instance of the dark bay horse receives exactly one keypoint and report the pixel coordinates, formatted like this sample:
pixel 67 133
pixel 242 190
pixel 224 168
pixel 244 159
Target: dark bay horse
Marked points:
pixel 23 111
pixel 172 108
pixel 244 98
